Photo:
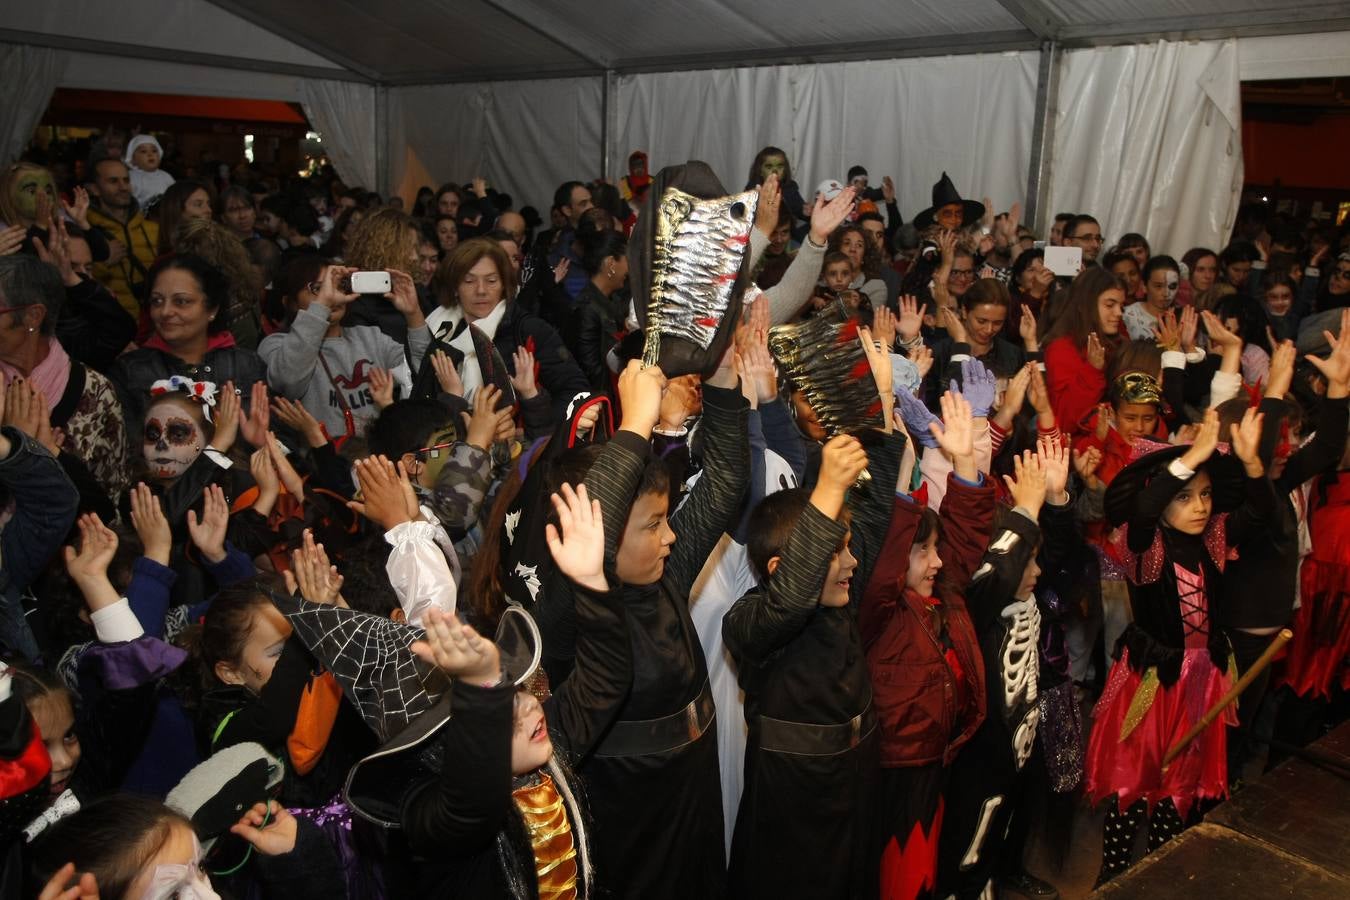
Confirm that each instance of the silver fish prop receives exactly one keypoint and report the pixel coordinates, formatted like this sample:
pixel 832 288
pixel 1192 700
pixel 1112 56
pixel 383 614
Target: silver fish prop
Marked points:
pixel 822 358
pixel 697 256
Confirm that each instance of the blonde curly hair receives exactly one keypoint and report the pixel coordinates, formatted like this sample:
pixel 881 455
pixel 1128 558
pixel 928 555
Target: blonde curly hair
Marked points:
pixel 385 239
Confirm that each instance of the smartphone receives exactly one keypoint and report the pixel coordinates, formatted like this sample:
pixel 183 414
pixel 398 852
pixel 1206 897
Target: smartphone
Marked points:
pixel 370 283
pixel 1065 262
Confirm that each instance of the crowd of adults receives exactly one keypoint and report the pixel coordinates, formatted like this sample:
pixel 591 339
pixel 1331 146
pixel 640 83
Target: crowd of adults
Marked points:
pixel 351 550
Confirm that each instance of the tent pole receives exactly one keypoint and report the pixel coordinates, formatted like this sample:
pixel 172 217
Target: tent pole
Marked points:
pixel 609 120
pixel 1037 214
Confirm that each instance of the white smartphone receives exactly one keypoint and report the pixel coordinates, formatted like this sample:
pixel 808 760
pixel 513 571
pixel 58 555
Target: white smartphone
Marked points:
pixel 1065 262
pixel 371 283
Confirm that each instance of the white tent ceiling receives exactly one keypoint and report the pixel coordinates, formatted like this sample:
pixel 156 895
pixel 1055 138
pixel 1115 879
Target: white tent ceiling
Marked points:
pixel 400 42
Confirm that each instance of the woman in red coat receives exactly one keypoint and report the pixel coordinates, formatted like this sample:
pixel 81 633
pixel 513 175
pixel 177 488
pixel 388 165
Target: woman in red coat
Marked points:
pixel 1077 346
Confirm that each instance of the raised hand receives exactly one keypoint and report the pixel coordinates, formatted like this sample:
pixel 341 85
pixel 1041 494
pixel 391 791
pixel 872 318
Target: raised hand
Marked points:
pixel 290 479
pixel 457 650
pixel 85 888
pixel 1206 441
pixel 293 414
pixel 919 421
pixel 842 460
pixel 1105 420
pixel 766 210
pixel 523 378
pixel 330 292
pixel 1086 465
pixel 55 251
pixel 1281 374
pixel 403 295
pixel 383 500
pixel 1219 335
pixel 254 426
pixel 950 320
pixel 151 526
pixel 226 418
pixel 680 401
pixel 1246 442
pixel 208 533
pixel 1095 352
pixel 910 321
pixel 381 387
pixel 759 366
pixel 887 189
pixel 579 551
pixel 1027 484
pixel 483 425
pixel 98 545
pixel 879 360
pixel 640 393
pixel 1039 396
pixel 1014 397
pixel 1026 329
pixel 311 573
pixel 264 474
pixel 11 239
pixel 884 326
pixel 1190 322
pixel 826 217
pixel 269 827
pixel 446 374
pixel 956 433
pixel 922 357
pixel 1335 367
pixel 1055 463
pixel 1167 331
pixel 79 210
pixel 978 386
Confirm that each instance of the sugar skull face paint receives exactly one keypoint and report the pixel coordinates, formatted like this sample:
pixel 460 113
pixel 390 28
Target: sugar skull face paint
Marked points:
pixel 172 439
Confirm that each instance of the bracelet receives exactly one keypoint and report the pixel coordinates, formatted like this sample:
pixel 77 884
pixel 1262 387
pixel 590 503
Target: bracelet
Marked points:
pixel 814 244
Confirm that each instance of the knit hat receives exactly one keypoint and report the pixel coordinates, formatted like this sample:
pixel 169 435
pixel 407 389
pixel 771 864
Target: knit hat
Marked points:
pixel 221 788
pixel 829 189
pixel 138 141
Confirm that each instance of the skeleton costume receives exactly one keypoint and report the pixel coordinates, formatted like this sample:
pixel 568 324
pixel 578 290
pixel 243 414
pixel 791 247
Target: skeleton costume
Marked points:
pixel 1174 661
pixel 989 774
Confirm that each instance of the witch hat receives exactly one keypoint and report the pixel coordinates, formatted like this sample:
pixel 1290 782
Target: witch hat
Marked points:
pixel 945 194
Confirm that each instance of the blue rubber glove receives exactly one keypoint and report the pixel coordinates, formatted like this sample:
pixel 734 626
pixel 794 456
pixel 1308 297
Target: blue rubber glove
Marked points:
pixel 917 417
pixel 978 386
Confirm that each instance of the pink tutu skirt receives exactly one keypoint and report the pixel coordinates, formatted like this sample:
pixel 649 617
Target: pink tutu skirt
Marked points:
pixel 1131 769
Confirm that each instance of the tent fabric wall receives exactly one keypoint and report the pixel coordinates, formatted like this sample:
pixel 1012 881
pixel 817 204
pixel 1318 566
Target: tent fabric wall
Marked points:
pixel 343 113
pixel 524 137
pixel 1148 138
pixel 30 76
pixel 894 117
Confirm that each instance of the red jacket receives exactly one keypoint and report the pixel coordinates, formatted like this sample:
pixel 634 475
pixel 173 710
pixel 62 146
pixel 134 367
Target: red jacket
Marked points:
pixel 924 716
pixel 1075 386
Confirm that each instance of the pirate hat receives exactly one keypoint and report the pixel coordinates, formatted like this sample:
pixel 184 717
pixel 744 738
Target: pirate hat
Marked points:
pixel 945 194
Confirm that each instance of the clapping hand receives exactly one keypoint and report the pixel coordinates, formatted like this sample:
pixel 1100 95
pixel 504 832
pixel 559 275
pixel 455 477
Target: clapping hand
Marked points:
pixel 457 649
pixel 1027 484
pixel 311 573
pixel 151 526
pixel 208 533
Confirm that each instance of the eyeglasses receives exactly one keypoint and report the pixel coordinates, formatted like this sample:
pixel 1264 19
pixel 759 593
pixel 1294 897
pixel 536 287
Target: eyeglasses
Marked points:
pixel 432 452
pixel 1090 238
pixel 963 273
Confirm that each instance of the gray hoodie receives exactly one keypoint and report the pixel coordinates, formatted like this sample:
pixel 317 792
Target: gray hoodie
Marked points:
pixel 294 370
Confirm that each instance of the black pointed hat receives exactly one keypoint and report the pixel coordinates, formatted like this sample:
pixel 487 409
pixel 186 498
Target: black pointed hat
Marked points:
pixel 945 194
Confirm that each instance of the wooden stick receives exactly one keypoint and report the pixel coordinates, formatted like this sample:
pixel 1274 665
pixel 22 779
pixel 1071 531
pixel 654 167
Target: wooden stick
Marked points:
pixel 1276 644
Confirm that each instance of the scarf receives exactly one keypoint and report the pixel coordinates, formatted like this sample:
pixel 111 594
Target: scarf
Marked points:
pixel 218 341
pixel 452 323
pixel 49 376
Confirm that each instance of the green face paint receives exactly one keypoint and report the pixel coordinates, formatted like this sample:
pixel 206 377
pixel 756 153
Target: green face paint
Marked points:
pixel 26 189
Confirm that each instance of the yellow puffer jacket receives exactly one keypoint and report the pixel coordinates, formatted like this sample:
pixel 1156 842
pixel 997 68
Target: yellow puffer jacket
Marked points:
pixel 126 278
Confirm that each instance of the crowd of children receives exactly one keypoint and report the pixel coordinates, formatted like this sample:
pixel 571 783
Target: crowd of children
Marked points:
pixel 446 590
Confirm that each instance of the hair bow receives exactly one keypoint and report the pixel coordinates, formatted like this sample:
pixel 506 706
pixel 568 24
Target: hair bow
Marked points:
pixel 203 392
